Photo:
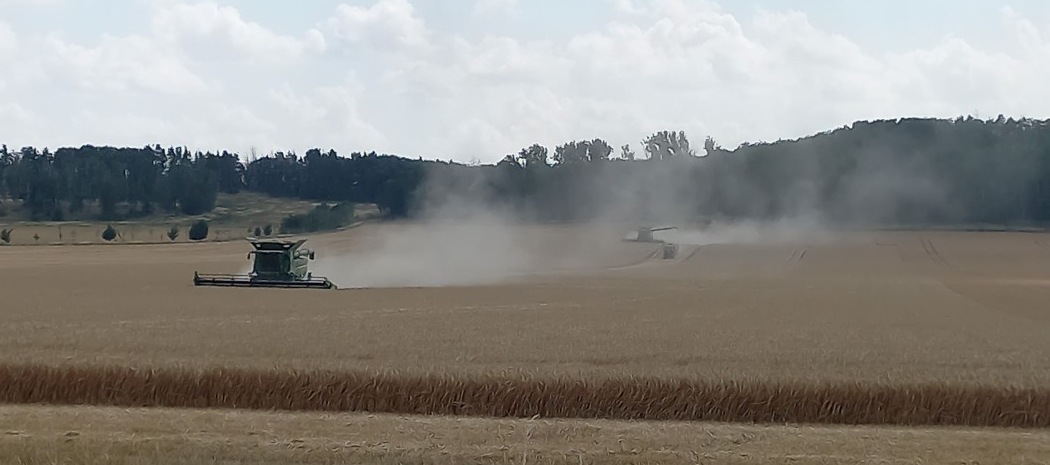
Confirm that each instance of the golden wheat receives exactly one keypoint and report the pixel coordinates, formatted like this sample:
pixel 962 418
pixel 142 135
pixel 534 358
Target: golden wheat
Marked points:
pixel 612 398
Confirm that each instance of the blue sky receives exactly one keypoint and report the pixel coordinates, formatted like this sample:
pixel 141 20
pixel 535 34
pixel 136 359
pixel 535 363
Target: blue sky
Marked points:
pixel 474 79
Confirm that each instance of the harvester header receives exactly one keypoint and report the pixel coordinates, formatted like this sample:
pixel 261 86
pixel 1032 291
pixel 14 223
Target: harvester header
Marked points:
pixel 278 263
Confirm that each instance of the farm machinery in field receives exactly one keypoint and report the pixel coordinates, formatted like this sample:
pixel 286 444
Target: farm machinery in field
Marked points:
pixel 645 234
pixel 278 263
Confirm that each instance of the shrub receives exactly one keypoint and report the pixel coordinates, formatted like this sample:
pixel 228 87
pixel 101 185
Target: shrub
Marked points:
pixel 268 230
pixel 198 231
pixel 321 218
pixel 258 231
pixel 173 233
pixel 5 235
pixel 109 233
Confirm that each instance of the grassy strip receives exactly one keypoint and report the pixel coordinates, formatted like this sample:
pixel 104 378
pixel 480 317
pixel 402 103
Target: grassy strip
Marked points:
pixel 493 396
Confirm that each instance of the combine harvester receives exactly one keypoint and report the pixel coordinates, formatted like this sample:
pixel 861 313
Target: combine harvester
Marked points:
pixel 278 263
pixel 645 234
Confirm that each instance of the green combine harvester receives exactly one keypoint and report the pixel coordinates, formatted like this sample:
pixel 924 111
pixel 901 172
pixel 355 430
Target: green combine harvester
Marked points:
pixel 645 234
pixel 278 263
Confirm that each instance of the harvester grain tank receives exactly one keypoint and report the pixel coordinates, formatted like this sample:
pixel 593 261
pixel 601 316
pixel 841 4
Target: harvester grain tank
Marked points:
pixel 278 263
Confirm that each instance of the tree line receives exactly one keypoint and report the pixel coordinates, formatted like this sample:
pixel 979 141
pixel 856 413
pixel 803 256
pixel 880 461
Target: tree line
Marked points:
pixel 125 183
pixel 900 171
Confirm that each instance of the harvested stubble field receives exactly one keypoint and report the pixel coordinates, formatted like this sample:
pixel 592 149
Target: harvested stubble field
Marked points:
pixel 857 327
pixel 94 435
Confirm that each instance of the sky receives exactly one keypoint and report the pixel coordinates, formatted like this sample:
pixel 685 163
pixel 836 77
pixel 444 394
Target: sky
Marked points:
pixel 474 80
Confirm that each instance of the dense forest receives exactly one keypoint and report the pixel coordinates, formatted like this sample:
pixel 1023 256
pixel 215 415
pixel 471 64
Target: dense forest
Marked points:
pixel 905 171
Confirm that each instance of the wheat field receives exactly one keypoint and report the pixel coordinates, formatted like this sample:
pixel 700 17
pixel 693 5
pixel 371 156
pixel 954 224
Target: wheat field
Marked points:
pixel 865 307
pixel 889 328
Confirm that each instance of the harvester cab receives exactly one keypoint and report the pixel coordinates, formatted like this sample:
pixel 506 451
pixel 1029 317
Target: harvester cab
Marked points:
pixel 280 260
pixel 278 263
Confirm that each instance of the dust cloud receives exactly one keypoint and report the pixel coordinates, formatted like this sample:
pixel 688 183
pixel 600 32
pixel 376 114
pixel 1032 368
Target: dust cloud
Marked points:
pixel 781 231
pixel 456 240
pixel 482 250
pixel 471 227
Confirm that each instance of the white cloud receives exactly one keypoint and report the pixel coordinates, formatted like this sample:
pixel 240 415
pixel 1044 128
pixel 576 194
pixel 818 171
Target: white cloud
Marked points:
pixel 627 7
pixel 8 51
pixel 328 116
pixel 387 24
pixel 123 63
pixel 660 64
pixel 181 39
pixel 672 64
pixel 8 41
pixel 487 8
pixel 14 115
pixel 28 2
pixel 182 22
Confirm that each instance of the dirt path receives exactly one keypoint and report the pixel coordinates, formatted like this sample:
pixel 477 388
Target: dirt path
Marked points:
pixel 162 436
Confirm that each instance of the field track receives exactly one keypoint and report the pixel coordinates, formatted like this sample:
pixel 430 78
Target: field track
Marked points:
pixel 873 328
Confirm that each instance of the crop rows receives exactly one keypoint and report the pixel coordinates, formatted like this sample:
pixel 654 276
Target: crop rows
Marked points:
pixel 498 396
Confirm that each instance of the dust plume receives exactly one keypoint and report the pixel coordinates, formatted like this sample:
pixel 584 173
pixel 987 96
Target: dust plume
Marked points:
pixel 482 250
pixel 475 225
pixel 781 231
pixel 455 240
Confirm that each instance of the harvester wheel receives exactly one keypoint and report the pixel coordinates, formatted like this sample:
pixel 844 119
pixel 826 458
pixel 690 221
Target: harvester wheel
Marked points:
pixel 670 251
